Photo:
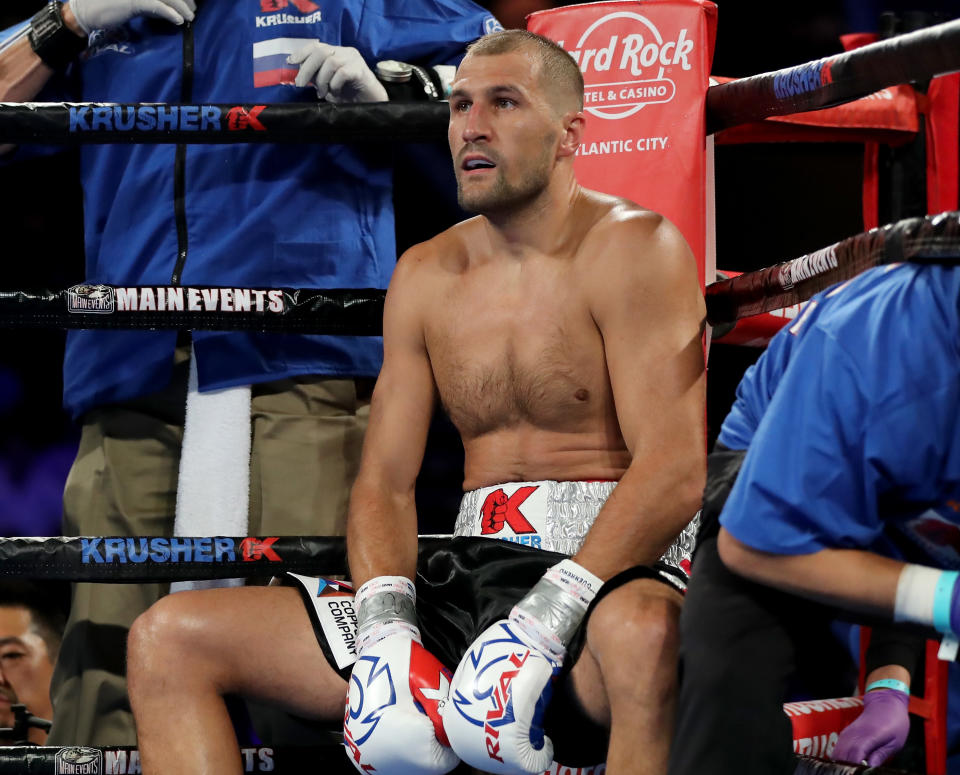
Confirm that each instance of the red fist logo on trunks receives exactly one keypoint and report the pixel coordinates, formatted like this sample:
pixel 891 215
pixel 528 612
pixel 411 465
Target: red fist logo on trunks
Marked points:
pixel 498 509
pixel 493 512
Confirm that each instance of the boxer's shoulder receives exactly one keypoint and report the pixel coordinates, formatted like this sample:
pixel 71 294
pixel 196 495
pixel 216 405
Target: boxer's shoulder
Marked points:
pixel 638 246
pixel 635 264
pixel 623 228
pixel 448 251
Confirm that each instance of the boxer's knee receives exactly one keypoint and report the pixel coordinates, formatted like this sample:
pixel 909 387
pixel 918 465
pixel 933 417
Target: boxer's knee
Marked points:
pixel 635 631
pixel 165 647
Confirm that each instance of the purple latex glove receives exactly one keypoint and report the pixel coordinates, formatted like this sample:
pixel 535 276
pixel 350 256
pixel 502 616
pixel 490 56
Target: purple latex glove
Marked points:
pixel 879 732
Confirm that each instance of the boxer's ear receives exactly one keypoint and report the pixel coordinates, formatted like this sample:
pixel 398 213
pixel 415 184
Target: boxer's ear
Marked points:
pixel 573 126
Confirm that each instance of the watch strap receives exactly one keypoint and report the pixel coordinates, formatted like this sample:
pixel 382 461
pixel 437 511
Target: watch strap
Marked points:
pixel 50 38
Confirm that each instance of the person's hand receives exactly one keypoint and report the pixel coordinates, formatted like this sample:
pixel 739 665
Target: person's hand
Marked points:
pixel 392 724
pixel 877 733
pixel 500 691
pixel 104 14
pixel 338 73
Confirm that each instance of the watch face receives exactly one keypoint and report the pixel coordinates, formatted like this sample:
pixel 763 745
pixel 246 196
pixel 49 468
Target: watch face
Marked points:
pixel 393 71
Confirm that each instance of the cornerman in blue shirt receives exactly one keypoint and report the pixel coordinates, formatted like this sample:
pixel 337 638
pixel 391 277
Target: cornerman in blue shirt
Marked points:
pixel 243 215
pixel 838 466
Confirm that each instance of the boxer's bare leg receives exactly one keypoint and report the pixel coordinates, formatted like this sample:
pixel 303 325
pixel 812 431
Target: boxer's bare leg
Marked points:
pixel 627 675
pixel 191 648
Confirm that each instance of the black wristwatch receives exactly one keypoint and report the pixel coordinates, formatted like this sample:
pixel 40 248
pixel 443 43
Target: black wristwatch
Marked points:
pixel 51 39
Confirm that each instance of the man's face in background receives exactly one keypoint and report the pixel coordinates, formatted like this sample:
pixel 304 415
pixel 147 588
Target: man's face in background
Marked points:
pixel 25 668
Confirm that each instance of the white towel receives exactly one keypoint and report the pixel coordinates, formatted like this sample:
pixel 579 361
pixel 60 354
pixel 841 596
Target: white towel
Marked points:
pixel 213 490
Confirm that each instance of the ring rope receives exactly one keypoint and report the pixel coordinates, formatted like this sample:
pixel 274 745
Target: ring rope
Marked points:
pixel 811 765
pixel 280 760
pixel 359 311
pixel 932 239
pixel 347 311
pixel 151 559
pixel 289 760
pixel 825 82
pixel 82 123
pixel 830 81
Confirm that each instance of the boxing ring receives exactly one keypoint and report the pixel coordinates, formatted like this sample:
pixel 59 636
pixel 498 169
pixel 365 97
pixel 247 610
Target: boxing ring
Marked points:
pixel 740 303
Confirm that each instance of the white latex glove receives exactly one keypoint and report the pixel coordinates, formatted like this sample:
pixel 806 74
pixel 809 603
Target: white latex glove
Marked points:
pixel 338 73
pixel 103 14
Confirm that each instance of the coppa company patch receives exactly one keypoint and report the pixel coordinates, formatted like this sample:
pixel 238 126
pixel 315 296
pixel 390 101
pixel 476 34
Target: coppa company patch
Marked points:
pixel 112 551
pixel 333 607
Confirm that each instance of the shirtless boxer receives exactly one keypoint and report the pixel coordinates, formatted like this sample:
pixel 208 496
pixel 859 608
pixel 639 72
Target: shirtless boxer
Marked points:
pixel 560 329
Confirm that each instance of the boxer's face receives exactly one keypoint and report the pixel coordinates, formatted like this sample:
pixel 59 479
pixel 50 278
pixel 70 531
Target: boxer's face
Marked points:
pixel 503 132
pixel 25 666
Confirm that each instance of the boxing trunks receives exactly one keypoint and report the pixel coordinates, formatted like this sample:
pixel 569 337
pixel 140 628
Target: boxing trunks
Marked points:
pixel 554 516
pixel 466 584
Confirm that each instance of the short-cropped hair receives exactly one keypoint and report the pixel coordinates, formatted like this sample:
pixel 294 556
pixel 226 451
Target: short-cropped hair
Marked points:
pixel 47 603
pixel 558 70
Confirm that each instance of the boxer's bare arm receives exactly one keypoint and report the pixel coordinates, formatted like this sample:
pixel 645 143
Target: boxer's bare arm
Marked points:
pixel 848 578
pixel 646 300
pixel 382 522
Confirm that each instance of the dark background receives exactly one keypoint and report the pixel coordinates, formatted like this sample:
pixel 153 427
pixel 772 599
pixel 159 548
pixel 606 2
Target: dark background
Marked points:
pixel 774 202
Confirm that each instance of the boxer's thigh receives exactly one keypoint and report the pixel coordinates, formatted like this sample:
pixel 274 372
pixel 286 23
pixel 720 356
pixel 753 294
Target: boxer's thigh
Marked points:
pixel 307 437
pixel 257 642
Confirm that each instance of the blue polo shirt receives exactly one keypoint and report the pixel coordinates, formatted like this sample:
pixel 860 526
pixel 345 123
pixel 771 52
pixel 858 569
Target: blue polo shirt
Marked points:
pixel 856 408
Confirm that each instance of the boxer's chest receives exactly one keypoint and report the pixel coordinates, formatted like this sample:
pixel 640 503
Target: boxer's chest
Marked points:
pixel 517 346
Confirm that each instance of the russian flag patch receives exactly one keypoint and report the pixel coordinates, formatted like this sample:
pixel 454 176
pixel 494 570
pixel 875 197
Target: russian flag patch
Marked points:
pixel 270 66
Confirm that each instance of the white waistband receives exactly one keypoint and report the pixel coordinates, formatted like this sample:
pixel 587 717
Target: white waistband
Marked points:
pixel 549 515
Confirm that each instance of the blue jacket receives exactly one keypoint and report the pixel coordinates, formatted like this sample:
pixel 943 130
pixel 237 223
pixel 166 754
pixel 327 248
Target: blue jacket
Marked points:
pixel 250 214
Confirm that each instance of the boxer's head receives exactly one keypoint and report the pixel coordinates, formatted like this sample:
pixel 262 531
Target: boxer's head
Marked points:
pixel 515 115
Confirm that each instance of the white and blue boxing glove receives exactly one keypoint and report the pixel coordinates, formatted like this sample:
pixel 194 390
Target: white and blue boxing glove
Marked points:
pixel 500 690
pixel 392 724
